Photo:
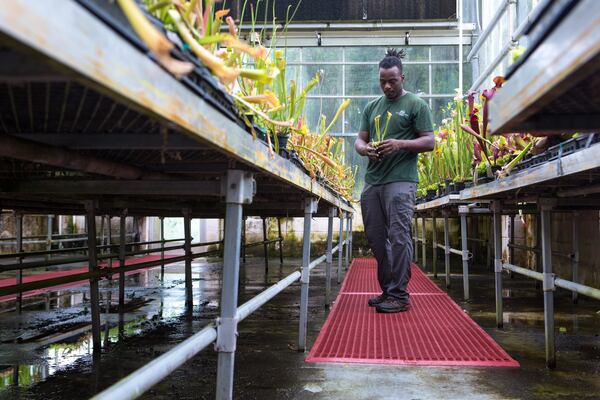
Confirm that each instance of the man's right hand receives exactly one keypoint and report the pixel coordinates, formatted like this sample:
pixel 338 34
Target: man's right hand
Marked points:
pixel 371 152
pixel 363 147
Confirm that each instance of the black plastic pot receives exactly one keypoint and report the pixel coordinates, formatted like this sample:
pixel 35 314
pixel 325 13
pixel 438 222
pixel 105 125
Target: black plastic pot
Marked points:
pixel 282 141
pixel 458 186
pixel 285 153
pixel 440 190
pixel 450 188
pixel 430 194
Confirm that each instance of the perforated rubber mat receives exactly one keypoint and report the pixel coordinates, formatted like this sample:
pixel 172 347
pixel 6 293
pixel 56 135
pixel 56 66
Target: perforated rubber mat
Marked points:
pixel 435 331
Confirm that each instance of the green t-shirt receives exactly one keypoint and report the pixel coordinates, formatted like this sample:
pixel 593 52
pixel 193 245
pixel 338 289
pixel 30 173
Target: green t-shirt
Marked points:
pixel 410 115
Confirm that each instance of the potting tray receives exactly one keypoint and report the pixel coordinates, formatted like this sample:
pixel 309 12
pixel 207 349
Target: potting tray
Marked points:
pixel 200 80
pixel 560 150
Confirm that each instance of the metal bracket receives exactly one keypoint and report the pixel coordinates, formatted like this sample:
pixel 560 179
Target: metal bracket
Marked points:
pixel 310 205
pixel 589 141
pixel 559 166
pixel 238 187
pixel 305 275
pixel 333 212
pixel 548 282
pixel 226 335
pixel 466 255
pixel 497 265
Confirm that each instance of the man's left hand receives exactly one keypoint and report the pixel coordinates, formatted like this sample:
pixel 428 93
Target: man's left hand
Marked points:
pixel 389 146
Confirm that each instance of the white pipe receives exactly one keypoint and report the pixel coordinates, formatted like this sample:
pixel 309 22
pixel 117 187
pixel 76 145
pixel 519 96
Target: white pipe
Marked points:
pixel 255 303
pixel 133 385
pixel 485 74
pixel 512 42
pixel 559 282
pixel 358 25
pixel 460 47
pixel 488 29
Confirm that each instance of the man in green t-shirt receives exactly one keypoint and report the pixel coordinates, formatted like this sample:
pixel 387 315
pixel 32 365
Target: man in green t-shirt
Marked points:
pixel 388 199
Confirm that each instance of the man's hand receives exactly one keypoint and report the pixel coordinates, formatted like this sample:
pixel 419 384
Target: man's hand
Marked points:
pixel 389 146
pixel 371 152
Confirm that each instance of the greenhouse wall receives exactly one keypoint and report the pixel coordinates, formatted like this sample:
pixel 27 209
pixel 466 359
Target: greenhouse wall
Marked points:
pixel 499 37
pixel 352 73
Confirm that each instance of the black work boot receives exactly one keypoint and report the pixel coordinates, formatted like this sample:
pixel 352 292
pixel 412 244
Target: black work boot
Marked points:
pixel 373 301
pixel 392 305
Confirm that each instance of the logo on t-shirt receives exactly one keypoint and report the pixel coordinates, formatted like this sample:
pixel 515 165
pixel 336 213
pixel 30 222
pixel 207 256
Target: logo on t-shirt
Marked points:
pixel 402 113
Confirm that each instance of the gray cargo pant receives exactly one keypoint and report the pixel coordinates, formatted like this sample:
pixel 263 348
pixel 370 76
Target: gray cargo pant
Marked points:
pixel 387 212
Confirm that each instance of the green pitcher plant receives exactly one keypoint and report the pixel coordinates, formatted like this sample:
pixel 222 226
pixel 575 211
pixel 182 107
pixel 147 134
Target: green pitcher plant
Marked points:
pixel 254 75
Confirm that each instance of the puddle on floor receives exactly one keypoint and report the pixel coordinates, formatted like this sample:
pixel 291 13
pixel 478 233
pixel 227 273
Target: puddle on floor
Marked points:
pixel 53 332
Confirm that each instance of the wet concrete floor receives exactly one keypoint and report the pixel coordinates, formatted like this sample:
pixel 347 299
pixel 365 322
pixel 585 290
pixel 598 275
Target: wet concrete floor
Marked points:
pixel 40 361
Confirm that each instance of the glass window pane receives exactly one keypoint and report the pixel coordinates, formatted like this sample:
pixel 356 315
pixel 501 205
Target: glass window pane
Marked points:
pixel 444 53
pixel 331 78
pixel 292 54
pixel 375 54
pixel 314 108
pixel 362 80
pixel 292 72
pixel 445 78
pixel 371 54
pixel 354 114
pixel 439 109
pixel 467 76
pixel 417 53
pixel 322 54
pixel 416 78
pixel 470 11
pixel 466 50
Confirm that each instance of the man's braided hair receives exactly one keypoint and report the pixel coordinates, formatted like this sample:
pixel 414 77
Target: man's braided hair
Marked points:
pixel 393 58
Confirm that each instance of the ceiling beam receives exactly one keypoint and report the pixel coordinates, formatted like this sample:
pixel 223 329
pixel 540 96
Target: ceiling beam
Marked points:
pixel 114 141
pixel 88 188
pixel 26 150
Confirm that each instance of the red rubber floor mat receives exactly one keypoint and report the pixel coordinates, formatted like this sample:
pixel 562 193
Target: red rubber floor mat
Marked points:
pixel 435 331
pixel 362 278
pixel 56 274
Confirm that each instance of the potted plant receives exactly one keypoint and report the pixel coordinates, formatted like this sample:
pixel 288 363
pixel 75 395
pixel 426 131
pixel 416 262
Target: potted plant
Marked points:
pixel 459 184
pixel 431 192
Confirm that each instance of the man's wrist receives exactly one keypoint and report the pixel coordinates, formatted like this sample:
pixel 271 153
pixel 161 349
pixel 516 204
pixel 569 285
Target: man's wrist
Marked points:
pixel 362 150
pixel 400 144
